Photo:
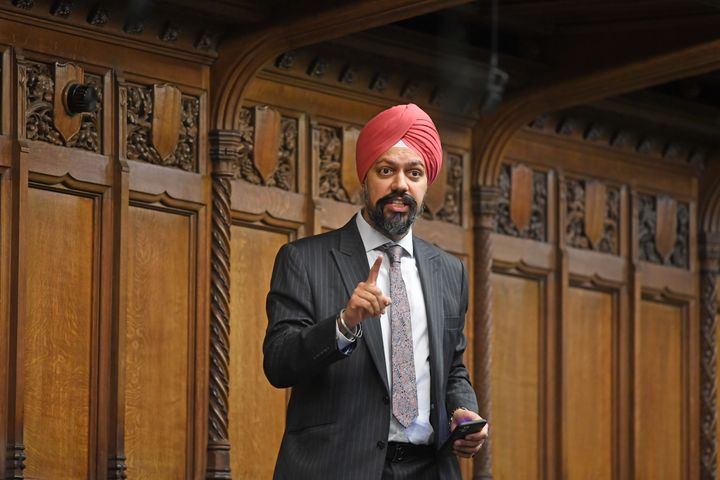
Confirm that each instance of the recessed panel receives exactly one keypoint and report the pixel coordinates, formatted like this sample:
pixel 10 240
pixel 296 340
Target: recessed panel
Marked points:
pixel 156 346
pixel 515 377
pixel 56 361
pixel 658 392
pixel 587 406
pixel 254 433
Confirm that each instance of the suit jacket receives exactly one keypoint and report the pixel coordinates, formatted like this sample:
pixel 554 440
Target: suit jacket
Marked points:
pixel 338 416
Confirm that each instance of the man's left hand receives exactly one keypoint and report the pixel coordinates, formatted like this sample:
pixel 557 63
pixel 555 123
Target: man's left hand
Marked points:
pixel 469 446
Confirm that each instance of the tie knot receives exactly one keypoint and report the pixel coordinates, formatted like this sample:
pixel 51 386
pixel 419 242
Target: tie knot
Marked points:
pixel 394 251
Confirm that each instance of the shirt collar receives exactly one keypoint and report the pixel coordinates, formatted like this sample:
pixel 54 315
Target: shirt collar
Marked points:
pixel 373 239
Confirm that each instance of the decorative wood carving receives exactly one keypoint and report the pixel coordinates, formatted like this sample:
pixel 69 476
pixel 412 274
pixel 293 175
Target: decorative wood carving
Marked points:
pixel 170 32
pixel 435 197
pixel 602 133
pixel 521 185
pixel 44 109
pixel 65 75
pixel 451 210
pixel 140 145
pixel 536 228
pixel 709 269
pixel 267 135
pixel 647 210
pixel 166 119
pixel 24 4
pixel 665 226
pixel 327 148
pixel 117 468
pixel 485 209
pixel 260 124
pixel 350 181
pixel 99 15
pixel 62 8
pixel 592 219
pixel 224 148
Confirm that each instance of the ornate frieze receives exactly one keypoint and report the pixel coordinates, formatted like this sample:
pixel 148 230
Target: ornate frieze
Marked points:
pixel 529 198
pixel 144 136
pixel 41 116
pixel 663 230
pixel 263 164
pixel 665 145
pixel 592 216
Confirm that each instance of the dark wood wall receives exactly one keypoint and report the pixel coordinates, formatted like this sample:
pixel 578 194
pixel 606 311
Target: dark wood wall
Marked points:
pixel 127 242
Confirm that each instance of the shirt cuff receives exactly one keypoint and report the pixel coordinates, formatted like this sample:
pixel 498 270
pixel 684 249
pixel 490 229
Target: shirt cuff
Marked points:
pixel 342 341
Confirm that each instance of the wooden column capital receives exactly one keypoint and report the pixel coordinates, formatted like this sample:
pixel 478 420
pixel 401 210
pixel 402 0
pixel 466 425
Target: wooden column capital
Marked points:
pixel 485 203
pixel 225 147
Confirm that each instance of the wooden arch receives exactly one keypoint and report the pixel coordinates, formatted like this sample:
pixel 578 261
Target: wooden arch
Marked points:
pixel 492 133
pixel 241 57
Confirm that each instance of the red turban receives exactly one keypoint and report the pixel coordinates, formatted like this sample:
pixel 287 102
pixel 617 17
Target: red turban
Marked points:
pixel 401 122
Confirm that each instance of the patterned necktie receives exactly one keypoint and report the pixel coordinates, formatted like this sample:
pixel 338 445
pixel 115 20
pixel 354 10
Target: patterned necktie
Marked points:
pixel 404 389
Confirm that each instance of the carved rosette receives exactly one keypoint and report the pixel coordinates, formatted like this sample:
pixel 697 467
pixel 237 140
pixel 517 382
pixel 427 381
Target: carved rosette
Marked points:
pixel 536 229
pixel 328 147
pixel 576 217
pixel 40 111
pixel 709 270
pixel 284 175
pixel 140 130
pixel 648 231
pixel 451 210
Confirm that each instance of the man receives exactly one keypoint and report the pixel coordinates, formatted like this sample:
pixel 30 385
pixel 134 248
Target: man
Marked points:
pixel 366 326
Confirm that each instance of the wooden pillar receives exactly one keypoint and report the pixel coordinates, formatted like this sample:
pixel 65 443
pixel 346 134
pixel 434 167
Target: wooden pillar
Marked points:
pixel 484 211
pixel 224 145
pixel 709 269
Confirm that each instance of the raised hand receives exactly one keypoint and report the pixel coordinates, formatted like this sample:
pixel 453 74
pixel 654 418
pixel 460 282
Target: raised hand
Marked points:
pixel 367 299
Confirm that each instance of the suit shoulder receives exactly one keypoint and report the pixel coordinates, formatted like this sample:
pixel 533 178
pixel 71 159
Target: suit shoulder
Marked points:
pixel 322 241
pixel 448 259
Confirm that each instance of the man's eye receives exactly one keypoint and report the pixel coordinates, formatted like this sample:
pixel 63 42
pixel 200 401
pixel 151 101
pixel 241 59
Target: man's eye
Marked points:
pixel 385 171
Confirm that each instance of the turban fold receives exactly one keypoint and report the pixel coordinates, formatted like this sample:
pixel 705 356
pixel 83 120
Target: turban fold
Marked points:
pixel 408 123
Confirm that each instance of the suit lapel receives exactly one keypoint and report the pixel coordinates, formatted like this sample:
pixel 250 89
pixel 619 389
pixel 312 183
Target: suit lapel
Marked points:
pixel 352 263
pixel 427 262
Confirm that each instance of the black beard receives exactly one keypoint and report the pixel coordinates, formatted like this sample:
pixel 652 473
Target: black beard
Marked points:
pixel 395 224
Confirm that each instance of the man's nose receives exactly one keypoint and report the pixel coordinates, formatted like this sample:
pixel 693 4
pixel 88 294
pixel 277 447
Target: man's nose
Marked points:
pixel 400 184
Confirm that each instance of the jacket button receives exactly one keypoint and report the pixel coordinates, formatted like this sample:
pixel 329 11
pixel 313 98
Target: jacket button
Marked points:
pixel 380 445
pixel 386 400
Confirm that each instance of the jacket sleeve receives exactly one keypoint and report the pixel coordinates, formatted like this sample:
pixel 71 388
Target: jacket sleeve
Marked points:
pixel 459 391
pixel 297 345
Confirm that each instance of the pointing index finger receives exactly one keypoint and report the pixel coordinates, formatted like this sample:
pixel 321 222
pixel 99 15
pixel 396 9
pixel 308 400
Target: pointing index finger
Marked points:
pixel 372 277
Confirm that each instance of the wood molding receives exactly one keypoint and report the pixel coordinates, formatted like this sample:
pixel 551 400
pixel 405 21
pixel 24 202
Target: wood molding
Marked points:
pixel 241 57
pixel 492 133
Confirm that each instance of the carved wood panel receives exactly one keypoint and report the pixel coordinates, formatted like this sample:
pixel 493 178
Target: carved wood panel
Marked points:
pixel 279 148
pixel 142 131
pixel 537 227
pixel 37 81
pixel 580 213
pixel 648 229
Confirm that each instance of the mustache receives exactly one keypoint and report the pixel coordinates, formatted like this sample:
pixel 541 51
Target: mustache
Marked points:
pixel 405 197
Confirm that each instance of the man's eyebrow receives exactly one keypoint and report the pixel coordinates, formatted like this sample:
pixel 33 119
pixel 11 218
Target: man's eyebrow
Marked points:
pixel 414 163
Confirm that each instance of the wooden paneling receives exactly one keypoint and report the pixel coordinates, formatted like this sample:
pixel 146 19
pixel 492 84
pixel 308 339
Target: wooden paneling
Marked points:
pixel 159 324
pixel 717 399
pixel 5 227
pixel 659 389
pixel 515 377
pixel 58 332
pixel 587 385
pixel 255 432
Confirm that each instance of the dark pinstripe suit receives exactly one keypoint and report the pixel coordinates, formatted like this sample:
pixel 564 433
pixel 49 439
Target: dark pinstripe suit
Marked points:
pixel 339 414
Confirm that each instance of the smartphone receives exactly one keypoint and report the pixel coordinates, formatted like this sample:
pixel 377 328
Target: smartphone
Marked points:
pixel 462 430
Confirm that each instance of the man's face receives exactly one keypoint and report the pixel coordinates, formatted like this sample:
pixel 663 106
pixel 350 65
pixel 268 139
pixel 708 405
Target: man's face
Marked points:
pixel 394 191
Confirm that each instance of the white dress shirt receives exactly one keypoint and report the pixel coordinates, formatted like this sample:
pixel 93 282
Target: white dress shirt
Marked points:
pixel 419 431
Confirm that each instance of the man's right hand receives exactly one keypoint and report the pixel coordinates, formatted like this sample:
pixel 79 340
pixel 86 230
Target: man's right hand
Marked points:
pixel 367 299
